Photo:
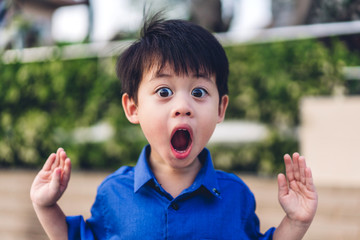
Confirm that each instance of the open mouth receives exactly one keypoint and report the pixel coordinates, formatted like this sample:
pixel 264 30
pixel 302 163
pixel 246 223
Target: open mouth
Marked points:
pixel 181 140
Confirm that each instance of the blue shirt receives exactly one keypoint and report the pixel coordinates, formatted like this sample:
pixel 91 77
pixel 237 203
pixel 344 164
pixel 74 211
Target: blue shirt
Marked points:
pixel 131 204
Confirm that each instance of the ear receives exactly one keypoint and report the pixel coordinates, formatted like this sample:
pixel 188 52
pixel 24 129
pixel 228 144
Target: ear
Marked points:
pixel 130 109
pixel 222 108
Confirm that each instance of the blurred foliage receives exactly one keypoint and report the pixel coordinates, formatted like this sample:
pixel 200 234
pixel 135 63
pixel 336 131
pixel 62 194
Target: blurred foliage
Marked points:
pixel 42 103
pixel 267 83
pixel 264 157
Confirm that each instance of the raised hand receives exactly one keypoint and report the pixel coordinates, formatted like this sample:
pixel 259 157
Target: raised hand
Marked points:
pixel 51 182
pixel 297 193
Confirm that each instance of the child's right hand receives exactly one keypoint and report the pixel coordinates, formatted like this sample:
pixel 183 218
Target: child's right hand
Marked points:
pixel 51 182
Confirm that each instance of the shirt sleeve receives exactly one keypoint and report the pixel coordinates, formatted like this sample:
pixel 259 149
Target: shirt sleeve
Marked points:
pixel 252 225
pixel 78 229
pixel 269 234
pixel 253 229
pixel 92 228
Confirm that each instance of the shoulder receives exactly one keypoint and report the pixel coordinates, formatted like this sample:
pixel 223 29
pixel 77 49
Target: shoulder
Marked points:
pixel 230 177
pixel 232 181
pixel 122 175
pixel 234 190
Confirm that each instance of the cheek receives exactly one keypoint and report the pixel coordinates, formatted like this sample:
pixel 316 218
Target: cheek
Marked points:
pixel 209 117
pixel 153 122
pixel 211 111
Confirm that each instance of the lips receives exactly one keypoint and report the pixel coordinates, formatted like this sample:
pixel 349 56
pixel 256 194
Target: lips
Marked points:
pixel 181 142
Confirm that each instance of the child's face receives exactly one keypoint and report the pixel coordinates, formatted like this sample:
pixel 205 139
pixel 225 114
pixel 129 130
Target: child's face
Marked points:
pixel 177 114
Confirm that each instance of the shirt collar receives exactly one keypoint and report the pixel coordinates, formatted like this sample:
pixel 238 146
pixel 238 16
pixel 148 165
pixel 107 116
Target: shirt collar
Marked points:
pixel 206 176
pixel 143 173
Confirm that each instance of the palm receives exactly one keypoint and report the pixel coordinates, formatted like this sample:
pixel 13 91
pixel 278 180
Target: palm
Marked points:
pixel 298 196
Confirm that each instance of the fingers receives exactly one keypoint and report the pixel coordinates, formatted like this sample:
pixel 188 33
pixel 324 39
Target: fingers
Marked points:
pixel 63 158
pixel 55 181
pixel 289 167
pixel 282 185
pixel 66 173
pixel 61 172
pixel 302 168
pixel 49 162
pixel 296 168
pixel 309 180
pixel 55 160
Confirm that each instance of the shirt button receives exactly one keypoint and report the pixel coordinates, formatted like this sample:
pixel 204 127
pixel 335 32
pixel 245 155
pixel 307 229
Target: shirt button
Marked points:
pixel 216 192
pixel 175 206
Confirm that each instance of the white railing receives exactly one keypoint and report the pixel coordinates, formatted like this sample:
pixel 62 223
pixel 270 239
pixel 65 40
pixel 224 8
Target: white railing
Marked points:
pixel 109 49
pixel 291 33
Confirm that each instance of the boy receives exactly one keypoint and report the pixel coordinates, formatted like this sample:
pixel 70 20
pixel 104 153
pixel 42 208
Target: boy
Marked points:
pixel 174 82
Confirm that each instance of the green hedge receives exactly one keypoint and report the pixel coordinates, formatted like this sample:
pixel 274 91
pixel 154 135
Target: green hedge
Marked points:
pixel 42 103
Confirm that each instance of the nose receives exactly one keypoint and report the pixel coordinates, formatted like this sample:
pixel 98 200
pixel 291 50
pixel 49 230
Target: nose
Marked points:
pixel 180 113
pixel 182 107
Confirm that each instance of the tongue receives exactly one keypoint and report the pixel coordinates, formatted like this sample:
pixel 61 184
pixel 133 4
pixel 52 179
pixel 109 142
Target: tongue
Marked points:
pixel 180 140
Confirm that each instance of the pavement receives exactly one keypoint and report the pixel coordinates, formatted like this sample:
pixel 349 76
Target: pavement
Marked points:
pixel 338 215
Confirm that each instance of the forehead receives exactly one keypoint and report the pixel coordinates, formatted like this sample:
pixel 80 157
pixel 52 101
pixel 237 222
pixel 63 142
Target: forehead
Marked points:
pixel 159 69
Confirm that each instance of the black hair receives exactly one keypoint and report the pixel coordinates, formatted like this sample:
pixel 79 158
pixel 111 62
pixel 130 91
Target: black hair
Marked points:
pixel 186 47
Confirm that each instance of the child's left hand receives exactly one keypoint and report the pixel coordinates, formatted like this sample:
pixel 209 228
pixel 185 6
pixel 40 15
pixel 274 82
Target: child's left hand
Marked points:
pixel 297 194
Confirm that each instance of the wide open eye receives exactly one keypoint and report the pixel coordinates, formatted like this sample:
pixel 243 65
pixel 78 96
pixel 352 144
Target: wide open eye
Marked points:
pixel 164 92
pixel 199 92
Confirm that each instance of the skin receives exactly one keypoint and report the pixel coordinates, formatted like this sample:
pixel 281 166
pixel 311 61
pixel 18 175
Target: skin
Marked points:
pixel 159 117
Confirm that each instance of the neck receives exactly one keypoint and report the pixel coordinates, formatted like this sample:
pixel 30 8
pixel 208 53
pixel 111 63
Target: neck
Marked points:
pixel 175 180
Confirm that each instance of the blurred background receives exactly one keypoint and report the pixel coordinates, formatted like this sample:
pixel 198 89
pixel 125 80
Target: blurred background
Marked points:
pixel 294 86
